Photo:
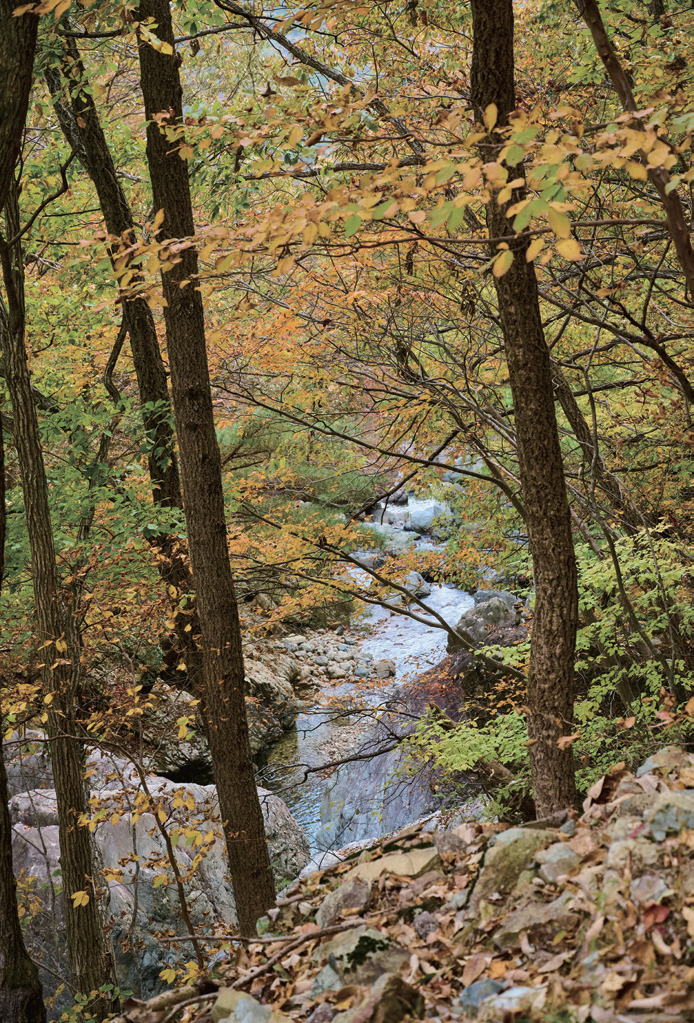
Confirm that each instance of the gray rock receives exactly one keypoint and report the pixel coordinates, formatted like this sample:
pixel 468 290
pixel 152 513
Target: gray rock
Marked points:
pixel 474 995
pixel 482 596
pixel 27 762
pixel 327 980
pixel 425 923
pixel 362 671
pixel 362 954
pixel 505 861
pixel 671 813
pixel 354 893
pixel 511 1002
pixel 384 669
pixel 416 584
pixel 422 515
pixel 649 888
pixel 139 904
pixel 533 917
pixel 395 541
pixel 390 999
pixel 665 760
pixel 478 621
pixel 556 861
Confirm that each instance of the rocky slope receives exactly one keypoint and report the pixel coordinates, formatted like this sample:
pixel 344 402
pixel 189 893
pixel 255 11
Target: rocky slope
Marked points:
pixel 564 919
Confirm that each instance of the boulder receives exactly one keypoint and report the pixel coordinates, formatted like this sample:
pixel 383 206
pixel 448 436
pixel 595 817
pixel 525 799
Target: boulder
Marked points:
pixel 512 851
pixel 361 954
pixel 422 515
pixel 482 596
pixel 393 541
pixel 389 1000
pixel 479 621
pixel 142 897
pixel 354 893
pixel 417 585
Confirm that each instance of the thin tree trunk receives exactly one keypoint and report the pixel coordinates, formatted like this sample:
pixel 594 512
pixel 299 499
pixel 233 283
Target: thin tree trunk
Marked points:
pixel 17 46
pixel 249 862
pixel 90 961
pixel 550 676
pixel 21 994
pixel 677 222
pixel 80 124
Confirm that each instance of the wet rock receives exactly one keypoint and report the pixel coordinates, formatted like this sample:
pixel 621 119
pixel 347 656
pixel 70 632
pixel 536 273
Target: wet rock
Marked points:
pixel 504 862
pixel 355 893
pixel 389 1000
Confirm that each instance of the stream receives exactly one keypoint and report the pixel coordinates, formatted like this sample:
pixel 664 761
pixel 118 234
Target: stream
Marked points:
pixel 325 732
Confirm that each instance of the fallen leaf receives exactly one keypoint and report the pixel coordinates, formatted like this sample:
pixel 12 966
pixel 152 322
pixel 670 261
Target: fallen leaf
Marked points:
pixel 476 966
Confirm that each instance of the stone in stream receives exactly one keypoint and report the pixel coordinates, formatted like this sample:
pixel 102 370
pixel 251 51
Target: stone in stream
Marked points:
pixel 476 624
pixel 384 668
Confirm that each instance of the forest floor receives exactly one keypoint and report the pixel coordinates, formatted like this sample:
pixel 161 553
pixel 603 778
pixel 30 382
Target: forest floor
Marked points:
pixel 571 918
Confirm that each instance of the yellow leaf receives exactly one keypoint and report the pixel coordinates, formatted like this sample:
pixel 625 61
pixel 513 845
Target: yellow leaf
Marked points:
pixel 295 135
pixel 569 248
pixel 637 170
pixel 48 699
pixel 534 249
pixel 490 116
pixel 186 153
pixel 559 222
pixel 79 899
pixel 502 263
pixel 60 645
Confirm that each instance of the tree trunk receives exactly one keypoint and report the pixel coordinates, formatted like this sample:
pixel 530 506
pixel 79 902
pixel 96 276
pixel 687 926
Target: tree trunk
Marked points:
pixel 80 124
pixel 21 994
pixel 90 961
pixel 550 676
pixel 17 46
pixel 249 862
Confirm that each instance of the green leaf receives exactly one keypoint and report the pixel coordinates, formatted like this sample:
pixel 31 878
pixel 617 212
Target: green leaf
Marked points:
pixel 514 156
pixel 352 225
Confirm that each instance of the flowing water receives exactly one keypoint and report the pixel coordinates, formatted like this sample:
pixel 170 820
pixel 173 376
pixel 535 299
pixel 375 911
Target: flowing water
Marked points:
pixel 326 731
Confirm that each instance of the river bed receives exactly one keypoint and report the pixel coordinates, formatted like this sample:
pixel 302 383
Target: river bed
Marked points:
pixel 326 731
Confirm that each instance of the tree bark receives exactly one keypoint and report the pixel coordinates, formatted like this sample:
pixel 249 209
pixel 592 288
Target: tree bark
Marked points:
pixel 81 126
pixel 17 47
pixel 90 961
pixel 550 676
pixel 21 994
pixel 249 862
